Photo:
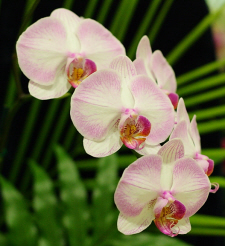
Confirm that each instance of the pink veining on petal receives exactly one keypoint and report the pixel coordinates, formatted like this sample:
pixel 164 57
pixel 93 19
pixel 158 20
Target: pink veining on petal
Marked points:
pixel 134 131
pixel 79 69
pixel 210 167
pixel 174 98
pixel 216 187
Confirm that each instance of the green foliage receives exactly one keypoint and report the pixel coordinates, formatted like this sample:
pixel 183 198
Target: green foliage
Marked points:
pixel 72 211
pixel 74 199
pixel 68 218
pixel 21 227
pixel 45 208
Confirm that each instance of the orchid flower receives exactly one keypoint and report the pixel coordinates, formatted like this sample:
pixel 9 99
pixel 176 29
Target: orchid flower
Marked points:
pixel 167 188
pixel 60 51
pixel 155 66
pixel 115 106
pixel 188 132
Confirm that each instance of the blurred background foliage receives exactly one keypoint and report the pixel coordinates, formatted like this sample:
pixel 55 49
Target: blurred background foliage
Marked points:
pixel 52 195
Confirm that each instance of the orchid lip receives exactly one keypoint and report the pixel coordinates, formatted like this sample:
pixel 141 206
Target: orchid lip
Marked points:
pixel 134 130
pixel 170 215
pixel 79 69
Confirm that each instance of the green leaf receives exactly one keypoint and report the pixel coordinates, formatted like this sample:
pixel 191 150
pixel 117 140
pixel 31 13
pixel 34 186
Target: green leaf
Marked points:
pixel 211 126
pixel 147 239
pixel 45 207
pixel 105 185
pixel 74 199
pixel 3 240
pixel 207 221
pixel 200 71
pixel 215 154
pixel 22 230
pixel 205 114
pixel 205 97
pixel 220 181
pixel 202 85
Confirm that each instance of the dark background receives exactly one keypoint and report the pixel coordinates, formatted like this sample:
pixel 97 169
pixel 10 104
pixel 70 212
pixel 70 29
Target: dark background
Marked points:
pixel 181 19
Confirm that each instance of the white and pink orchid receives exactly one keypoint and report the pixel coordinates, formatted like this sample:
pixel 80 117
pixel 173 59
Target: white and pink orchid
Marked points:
pixel 156 67
pixel 61 50
pixel 115 106
pixel 167 188
pixel 188 132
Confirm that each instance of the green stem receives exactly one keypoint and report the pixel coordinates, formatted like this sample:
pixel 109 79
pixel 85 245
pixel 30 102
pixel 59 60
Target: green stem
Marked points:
pixel 200 71
pixel 68 4
pixel 90 8
pixel 145 23
pixel 208 113
pixel 205 97
pixel 202 85
pixel 211 126
pixel 102 14
pixel 159 20
pixel 24 140
pixel 189 40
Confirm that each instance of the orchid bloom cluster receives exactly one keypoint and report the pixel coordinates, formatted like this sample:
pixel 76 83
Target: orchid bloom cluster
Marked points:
pixel 116 102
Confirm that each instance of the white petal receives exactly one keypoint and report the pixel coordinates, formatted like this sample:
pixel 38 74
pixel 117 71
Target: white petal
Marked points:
pixel 163 72
pixel 172 151
pixel 98 44
pixel 56 90
pixel 42 50
pixel 153 104
pixel 182 227
pixel 96 104
pixel 125 68
pixel 182 112
pixel 149 149
pixel 132 225
pixel 195 134
pixel 181 131
pixel 190 185
pixel 144 49
pixel 139 185
pixel 106 147
pixel 71 22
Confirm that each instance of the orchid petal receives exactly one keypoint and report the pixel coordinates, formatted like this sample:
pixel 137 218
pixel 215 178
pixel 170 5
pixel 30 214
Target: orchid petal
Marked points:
pixel 96 105
pixel 153 104
pixel 125 68
pixel 106 147
pixel 172 151
pixel 139 185
pixel 195 134
pixel 163 72
pixel 149 149
pixel 182 112
pixel 132 225
pixel 181 132
pixel 190 185
pixel 42 50
pixel 159 205
pixel 210 167
pixel 69 19
pixel 140 67
pixel 182 227
pixel 98 44
pixel 144 49
pixel 174 99
pixel 56 90
pixel 203 164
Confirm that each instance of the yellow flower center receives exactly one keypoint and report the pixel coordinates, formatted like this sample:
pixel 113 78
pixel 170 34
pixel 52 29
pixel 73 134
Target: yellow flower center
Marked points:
pixel 77 74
